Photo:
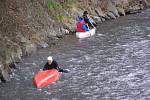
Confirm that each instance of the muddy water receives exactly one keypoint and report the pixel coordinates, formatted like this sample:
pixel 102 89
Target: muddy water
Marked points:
pixel 112 65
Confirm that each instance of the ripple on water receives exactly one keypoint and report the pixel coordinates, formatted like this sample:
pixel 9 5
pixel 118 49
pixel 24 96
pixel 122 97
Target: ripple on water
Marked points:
pixel 113 65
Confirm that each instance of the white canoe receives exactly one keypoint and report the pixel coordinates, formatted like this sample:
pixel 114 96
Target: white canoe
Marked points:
pixel 85 34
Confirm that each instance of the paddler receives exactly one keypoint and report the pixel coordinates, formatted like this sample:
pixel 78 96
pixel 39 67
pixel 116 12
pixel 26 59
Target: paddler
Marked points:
pixel 90 21
pixel 52 64
pixel 82 25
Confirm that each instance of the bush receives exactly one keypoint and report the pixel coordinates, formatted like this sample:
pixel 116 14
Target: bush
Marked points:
pixel 53 4
pixel 60 17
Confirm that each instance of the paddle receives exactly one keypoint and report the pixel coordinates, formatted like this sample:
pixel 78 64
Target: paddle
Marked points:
pixel 89 31
pixel 63 70
pixel 92 26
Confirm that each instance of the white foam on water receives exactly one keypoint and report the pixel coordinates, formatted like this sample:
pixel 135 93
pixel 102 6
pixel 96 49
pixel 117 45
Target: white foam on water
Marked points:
pixel 54 98
pixel 148 35
pixel 34 64
pixel 100 34
pixel 132 76
pixel 148 28
pixel 147 91
pixel 88 58
pixel 144 41
pixel 47 92
pixel 72 59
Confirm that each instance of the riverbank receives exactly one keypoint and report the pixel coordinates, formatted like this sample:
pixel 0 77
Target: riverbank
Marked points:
pixel 29 25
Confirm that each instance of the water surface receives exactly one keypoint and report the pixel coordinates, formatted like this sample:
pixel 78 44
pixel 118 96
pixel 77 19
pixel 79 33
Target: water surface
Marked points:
pixel 112 65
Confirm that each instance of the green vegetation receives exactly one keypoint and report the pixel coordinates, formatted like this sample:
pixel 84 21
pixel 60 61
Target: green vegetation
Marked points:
pixel 69 4
pixel 57 9
pixel 53 4
pixel 60 17
pixel 32 1
pixel 40 12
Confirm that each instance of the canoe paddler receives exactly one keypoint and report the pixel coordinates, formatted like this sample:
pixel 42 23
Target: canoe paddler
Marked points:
pixel 90 21
pixel 82 25
pixel 85 25
pixel 52 64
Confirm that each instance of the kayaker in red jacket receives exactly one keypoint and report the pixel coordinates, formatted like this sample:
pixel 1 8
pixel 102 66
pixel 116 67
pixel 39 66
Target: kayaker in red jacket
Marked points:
pixel 52 64
pixel 82 25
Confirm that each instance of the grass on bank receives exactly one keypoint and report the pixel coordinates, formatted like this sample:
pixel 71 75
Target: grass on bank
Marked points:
pixel 57 9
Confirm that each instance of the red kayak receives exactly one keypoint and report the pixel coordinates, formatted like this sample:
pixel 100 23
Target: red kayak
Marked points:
pixel 45 78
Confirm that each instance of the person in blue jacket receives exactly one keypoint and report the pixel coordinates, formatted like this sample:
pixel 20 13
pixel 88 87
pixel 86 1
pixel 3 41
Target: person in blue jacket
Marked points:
pixel 80 19
pixel 82 25
pixel 85 25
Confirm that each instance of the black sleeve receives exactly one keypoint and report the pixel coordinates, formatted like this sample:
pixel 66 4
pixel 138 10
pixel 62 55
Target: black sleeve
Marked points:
pixel 45 67
pixel 57 67
pixel 55 64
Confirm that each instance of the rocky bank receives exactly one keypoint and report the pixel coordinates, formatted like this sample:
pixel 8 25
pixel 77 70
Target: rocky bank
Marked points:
pixel 26 25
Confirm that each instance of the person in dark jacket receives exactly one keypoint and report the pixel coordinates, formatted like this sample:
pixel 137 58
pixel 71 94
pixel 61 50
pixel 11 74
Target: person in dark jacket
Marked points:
pixel 52 64
pixel 87 17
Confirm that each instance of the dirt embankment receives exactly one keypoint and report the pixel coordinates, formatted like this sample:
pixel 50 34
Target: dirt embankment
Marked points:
pixel 26 25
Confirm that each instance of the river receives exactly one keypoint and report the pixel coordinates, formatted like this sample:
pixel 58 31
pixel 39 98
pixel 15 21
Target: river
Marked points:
pixel 112 65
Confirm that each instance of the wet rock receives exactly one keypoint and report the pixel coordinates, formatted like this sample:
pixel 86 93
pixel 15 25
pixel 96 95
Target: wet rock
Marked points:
pixel 111 8
pixel 115 13
pixel 103 19
pixel 2 78
pixel 16 55
pixel 107 17
pixel 59 35
pixel 23 39
pixel 111 15
pixel 132 11
pixel 12 65
pixel 121 11
pixel 4 73
pixel 43 44
pixel 97 19
pixel 28 48
pixel 147 2
pixel 52 40
pixel 100 13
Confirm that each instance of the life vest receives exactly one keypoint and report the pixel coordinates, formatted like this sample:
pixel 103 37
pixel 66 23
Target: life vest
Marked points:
pixel 79 27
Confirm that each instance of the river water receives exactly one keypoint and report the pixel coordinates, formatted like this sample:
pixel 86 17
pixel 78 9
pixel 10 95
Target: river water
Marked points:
pixel 112 65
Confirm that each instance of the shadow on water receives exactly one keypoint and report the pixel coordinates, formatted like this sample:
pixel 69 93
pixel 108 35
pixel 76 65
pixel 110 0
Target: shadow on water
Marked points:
pixel 112 65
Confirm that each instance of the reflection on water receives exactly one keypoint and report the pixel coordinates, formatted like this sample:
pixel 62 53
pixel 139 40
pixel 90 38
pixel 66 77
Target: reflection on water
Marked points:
pixel 112 65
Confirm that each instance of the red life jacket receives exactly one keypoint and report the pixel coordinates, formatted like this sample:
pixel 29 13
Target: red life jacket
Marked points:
pixel 79 27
